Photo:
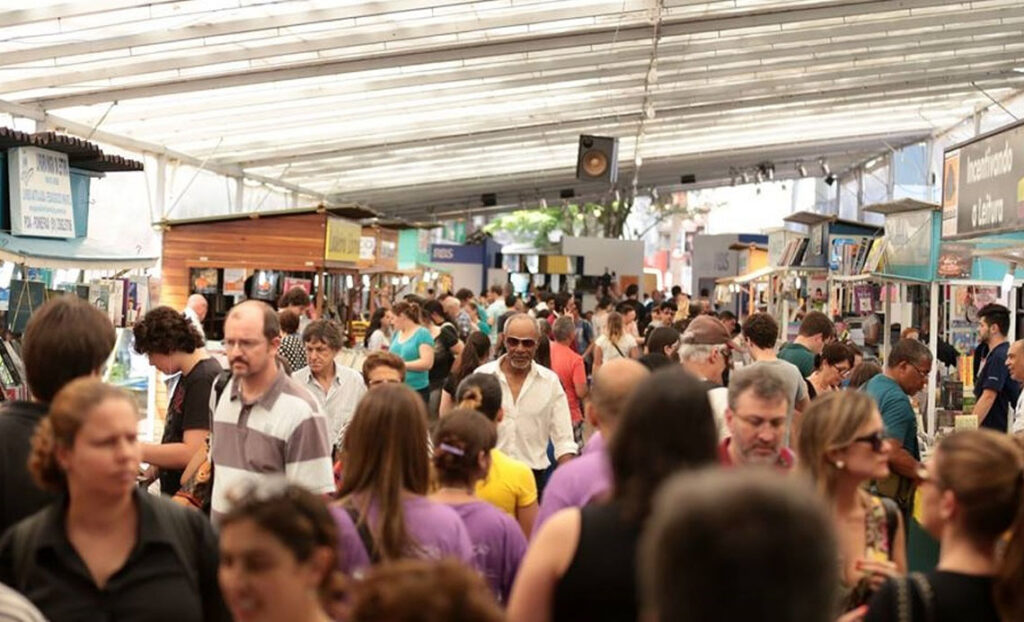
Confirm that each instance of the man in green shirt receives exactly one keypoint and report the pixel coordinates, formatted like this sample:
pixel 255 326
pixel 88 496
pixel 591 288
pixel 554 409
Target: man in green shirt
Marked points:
pixel 907 370
pixel 815 331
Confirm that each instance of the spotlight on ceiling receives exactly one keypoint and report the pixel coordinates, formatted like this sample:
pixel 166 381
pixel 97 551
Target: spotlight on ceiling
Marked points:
pixel 801 169
pixel 830 179
pixel 746 177
pixel 759 176
pixel 688 178
pixel 566 193
pixel 825 169
pixel 489 199
pixel 766 170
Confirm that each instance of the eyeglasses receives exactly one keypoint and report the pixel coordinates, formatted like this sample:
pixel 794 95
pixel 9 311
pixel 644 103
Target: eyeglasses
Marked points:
pixel 516 342
pixel 924 374
pixel 243 344
pixel 757 422
pixel 876 440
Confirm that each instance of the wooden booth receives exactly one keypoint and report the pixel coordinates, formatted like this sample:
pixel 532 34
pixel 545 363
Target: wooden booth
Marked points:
pixel 262 255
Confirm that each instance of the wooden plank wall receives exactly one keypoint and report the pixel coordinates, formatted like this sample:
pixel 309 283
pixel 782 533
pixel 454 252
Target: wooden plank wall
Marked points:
pixel 277 243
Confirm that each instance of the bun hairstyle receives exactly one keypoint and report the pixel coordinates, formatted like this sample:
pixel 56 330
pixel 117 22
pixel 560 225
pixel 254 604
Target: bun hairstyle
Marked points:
pixel 460 438
pixel 410 310
pixel 68 413
pixel 480 392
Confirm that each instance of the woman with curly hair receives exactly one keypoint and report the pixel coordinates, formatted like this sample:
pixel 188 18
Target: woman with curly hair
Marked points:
pixel 106 549
pixel 174 346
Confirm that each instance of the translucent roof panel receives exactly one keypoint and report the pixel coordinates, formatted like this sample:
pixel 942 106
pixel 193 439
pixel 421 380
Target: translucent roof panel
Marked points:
pixel 418 106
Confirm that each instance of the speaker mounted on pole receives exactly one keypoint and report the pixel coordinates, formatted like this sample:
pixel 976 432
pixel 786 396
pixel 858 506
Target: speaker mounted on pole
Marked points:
pixel 598 159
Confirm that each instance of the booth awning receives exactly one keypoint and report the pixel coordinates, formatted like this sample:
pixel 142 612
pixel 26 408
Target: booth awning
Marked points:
pixel 878 276
pixel 81 253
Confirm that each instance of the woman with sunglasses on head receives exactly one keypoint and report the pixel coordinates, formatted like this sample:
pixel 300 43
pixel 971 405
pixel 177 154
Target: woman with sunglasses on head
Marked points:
pixel 972 500
pixel 841 447
pixel 830 367
pixel 277 553
pixel 383 513
pixel 462 457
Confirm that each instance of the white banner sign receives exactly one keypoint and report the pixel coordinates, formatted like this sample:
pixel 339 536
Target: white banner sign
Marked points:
pixel 40 193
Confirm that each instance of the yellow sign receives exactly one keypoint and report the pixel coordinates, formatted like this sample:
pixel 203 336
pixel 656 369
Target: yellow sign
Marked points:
pixel 342 240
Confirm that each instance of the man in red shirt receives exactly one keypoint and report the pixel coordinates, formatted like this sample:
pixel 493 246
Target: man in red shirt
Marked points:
pixel 570 369
pixel 756 419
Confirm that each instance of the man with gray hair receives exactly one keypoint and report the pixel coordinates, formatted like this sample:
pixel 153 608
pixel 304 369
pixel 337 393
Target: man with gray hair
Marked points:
pixel 729 545
pixel 571 370
pixel 705 352
pixel 759 402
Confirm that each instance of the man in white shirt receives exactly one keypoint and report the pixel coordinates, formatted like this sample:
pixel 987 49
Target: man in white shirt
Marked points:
pixel 195 311
pixel 705 352
pixel 496 305
pixel 1015 362
pixel 337 389
pixel 533 400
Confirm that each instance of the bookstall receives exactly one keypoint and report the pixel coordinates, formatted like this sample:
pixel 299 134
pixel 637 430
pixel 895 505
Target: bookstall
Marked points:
pixel 262 255
pixel 748 291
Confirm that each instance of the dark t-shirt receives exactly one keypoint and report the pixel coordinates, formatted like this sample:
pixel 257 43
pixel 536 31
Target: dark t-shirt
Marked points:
pixel 19 496
pixel 189 409
pixel 957 597
pixel 443 356
pixel 995 375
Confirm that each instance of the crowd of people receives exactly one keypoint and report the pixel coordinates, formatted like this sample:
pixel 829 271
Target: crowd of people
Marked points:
pixel 502 457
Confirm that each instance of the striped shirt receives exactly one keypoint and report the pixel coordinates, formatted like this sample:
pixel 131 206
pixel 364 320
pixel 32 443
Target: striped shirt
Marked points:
pixel 282 431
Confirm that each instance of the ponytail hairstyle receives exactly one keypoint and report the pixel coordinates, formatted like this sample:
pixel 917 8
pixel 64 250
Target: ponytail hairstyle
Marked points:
pixel 474 354
pixel 480 392
pixel 461 436
pixel 985 471
pixel 59 428
pixel 410 310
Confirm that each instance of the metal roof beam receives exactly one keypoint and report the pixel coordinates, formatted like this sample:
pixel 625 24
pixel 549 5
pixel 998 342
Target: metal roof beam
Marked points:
pixel 515 44
pixel 70 9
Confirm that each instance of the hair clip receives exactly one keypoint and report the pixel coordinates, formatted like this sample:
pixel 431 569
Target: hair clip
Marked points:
pixel 451 449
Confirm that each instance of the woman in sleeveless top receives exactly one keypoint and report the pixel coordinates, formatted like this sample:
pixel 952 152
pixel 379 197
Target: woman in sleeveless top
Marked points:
pixel 581 564
pixel 972 500
pixel 841 447
pixel 615 343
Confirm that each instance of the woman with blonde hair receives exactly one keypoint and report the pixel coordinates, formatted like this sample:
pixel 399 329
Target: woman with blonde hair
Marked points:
pixel 383 513
pixel 842 446
pixel 106 548
pixel 972 500
pixel 615 343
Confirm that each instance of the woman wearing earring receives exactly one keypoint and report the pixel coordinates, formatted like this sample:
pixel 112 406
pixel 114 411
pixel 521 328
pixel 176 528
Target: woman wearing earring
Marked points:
pixel 841 446
pixel 972 500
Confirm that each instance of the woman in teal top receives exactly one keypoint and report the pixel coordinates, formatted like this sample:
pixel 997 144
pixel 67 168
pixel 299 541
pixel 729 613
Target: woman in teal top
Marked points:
pixel 414 344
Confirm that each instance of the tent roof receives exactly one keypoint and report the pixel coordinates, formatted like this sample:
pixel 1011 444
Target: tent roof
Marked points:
pixel 80 253
pixel 417 107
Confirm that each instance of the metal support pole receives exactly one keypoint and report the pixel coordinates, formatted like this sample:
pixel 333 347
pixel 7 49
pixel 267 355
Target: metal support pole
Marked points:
pixel 887 334
pixel 239 195
pixel 160 200
pixel 933 345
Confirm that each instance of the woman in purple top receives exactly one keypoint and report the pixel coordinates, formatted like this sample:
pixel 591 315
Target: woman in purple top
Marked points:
pixel 462 456
pixel 383 513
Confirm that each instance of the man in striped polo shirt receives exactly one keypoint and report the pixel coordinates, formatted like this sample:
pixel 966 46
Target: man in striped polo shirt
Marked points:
pixel 265 422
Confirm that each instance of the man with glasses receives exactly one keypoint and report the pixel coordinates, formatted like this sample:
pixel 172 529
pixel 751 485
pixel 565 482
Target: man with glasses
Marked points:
pixel 337 388
pixel 761 333
pixel 533 400
pixel 759 405
pixel 265 422
pixel 706 352
pixel 906 373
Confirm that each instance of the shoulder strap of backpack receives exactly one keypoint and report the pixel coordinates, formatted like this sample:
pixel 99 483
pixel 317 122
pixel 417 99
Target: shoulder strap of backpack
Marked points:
pixel 924 590
pixel 24 538
pixel 184 539
pixel 221 383
pixel 363 528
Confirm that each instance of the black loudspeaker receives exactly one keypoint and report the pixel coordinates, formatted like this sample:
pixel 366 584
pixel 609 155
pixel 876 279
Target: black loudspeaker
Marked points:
pixel 598 159
pixel 489 199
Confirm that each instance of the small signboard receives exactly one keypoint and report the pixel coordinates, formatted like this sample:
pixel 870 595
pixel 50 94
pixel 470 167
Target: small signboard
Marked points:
pixel 40 182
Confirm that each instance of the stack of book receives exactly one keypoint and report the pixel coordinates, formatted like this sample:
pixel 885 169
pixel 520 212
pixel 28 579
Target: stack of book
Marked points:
pixel 793 254
pixel 852 256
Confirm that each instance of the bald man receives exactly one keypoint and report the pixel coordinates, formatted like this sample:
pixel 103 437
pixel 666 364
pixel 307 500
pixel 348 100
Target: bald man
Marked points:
pixel 536 410
pixel 195 311
pixel 589 477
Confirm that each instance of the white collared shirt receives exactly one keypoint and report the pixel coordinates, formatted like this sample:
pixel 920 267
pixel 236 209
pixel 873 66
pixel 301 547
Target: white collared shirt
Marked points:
pixel 339 402
pixel 1018 416
pixel 540 414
